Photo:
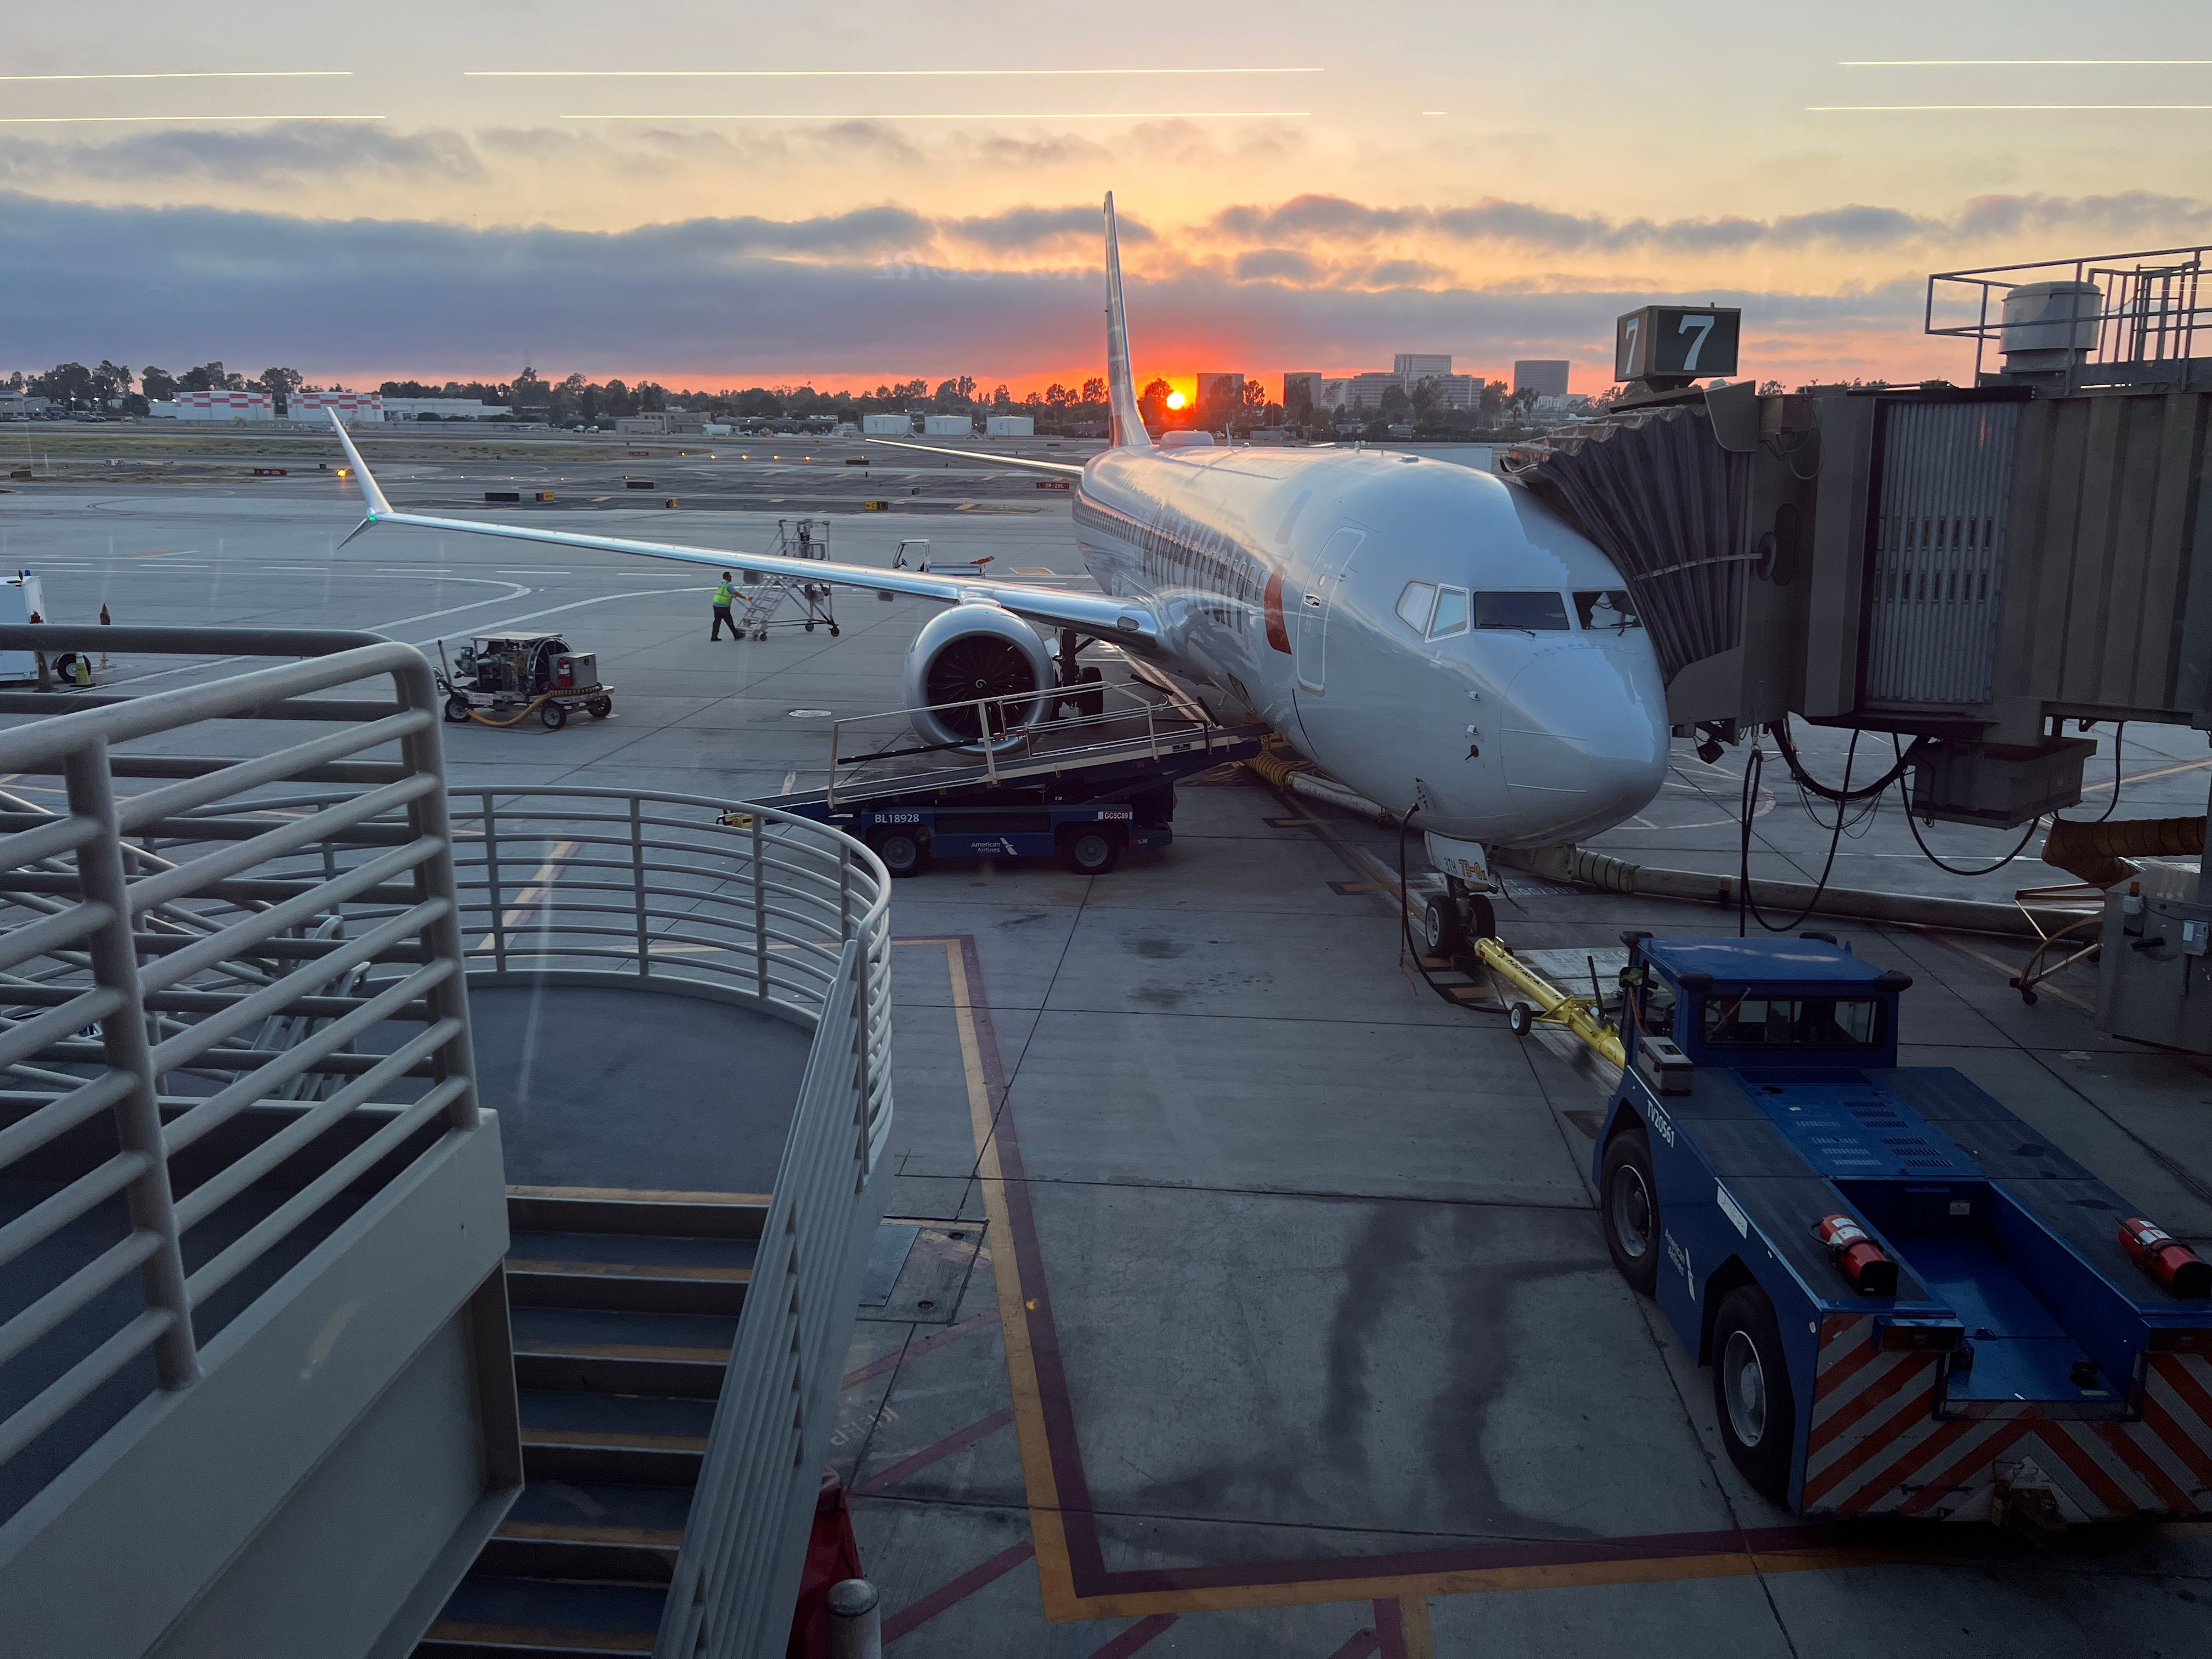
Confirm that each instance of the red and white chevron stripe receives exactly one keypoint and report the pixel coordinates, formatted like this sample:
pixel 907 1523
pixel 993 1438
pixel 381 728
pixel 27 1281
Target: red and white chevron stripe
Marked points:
pixel 1875 1445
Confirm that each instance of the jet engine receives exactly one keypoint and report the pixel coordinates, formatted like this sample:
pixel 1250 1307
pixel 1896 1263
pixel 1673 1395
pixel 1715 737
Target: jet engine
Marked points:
pixel 977 651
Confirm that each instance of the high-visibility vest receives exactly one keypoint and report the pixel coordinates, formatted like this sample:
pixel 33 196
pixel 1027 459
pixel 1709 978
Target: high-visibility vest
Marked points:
pixel 724 595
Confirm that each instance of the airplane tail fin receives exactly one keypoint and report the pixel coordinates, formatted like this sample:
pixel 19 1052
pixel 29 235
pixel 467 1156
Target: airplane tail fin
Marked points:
pixel 372 496
pixel 1129 426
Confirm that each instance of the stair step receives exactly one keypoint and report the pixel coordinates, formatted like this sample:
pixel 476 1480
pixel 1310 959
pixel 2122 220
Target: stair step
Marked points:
pixel 558 1509
pixel 627 1272
pixel 533 1616
pixel 632 1210
pixel 613 1439
pixel 602 1351
pixel 604 1561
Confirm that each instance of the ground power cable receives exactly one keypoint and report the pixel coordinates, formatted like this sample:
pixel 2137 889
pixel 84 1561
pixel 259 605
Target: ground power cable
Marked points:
pixel 1746 908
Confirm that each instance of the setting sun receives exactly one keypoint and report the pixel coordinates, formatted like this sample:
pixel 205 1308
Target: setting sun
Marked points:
pixel 1176 400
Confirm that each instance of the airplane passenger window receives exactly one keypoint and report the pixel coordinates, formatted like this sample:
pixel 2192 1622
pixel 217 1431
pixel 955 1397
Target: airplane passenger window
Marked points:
pixel 1451 613
pixel 1607 608
pixel 1415 603
pixel 1535 613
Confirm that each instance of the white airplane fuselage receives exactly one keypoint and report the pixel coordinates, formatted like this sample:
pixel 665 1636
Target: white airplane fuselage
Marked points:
pixel 1278 577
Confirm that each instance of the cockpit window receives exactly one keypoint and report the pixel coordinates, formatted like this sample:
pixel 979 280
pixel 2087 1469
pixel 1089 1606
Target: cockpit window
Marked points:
pixel 1607 608
pixel 1451 613
pixel 1415 605
pixel 1537 613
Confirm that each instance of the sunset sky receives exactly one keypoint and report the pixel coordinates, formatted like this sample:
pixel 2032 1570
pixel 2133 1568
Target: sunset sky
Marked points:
pixel 1303 187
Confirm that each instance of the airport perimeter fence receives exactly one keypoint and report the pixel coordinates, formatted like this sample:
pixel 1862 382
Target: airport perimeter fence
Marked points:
pixel 392 894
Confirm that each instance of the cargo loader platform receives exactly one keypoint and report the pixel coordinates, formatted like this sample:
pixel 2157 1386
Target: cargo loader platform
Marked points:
pixel 1084 789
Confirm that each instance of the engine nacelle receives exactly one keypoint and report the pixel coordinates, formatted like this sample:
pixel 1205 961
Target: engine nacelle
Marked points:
pixel 973 652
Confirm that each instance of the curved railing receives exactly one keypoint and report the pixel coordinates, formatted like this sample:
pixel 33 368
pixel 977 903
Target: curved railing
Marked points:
pixel 678 893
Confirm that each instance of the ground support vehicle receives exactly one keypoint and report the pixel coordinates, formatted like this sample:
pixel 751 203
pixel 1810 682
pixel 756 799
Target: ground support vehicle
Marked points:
pixel 503 679
pixel 1084 789
pixel 1912 1302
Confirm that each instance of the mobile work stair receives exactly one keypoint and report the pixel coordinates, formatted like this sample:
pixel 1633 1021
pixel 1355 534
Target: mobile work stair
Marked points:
pixel 625 1305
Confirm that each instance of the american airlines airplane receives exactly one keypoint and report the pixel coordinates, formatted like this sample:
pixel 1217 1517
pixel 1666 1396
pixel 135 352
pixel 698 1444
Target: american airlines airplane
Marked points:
pixel 1436 638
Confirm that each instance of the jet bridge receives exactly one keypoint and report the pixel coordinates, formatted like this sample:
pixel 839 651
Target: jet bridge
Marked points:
pixel 1966 567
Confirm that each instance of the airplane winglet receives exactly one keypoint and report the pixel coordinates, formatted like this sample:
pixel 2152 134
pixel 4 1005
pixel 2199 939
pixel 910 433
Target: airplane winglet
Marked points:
pixel 1128 424
pixel 372 496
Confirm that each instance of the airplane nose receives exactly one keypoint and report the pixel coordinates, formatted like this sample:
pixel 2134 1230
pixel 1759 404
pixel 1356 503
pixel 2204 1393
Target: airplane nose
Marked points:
pixel 1586 742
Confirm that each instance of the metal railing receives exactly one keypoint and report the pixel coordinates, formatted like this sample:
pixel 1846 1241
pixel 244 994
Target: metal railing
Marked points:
pixel 1127 719
pixel 2144 322
pixel 222 969
pixel 692 895
pixel 745 1543
pixel 274 910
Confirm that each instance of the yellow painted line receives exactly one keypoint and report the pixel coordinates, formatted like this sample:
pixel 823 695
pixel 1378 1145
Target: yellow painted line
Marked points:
pixel 1056 1579
pixel 541 882
pixel 599 1440
pixel 630 1270
pixel 1413 1621
pixel 642 1195
pixel 647 1537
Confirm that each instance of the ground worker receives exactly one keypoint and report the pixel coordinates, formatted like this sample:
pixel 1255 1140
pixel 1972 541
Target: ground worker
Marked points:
pixel 724 595
pixel 105 621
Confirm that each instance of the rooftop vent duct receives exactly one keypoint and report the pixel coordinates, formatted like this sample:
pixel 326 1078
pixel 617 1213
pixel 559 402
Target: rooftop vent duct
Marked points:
pixel 2049 327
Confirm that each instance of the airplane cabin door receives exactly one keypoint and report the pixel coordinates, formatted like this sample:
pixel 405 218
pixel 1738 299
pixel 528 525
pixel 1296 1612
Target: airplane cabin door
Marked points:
pixel 1315 601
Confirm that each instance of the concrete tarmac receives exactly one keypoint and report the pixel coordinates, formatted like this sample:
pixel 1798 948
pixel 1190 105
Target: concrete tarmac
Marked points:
pixel 1258 1306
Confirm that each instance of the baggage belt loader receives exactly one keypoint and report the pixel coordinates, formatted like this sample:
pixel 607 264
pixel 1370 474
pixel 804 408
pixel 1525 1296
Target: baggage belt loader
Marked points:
pixel 1913 1303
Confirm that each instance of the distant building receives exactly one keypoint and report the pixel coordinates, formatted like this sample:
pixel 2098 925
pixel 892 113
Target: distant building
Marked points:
pixel 353 407
pixel 1411 366
pixel 1220 388
pixel 1547 375
pixel 1010 426
pixel 1461 392
pixel 641 426
pixel 1302 380
pixel 445 409
pixel 1332 394
pixel 225 406
pixel 888 425
pixel 21 405
pixel 948 426
pixel 1365 391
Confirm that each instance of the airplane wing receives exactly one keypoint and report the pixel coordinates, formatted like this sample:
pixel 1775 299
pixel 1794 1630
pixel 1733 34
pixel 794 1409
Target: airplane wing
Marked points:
pixel 1091 613
pixel 990 460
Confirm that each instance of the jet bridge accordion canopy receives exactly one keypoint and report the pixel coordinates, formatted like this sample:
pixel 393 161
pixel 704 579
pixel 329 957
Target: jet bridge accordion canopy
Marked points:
pixel 1657 491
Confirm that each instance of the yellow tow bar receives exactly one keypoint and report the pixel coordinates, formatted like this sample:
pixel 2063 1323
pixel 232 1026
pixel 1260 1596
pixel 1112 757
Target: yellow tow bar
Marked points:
pixel 1547 1001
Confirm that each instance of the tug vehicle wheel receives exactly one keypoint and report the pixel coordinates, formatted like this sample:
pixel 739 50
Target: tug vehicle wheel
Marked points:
pixel 1628 1208
pixel 457 709
pixel 1091 851
pixel 1750 1391
pixel 554 716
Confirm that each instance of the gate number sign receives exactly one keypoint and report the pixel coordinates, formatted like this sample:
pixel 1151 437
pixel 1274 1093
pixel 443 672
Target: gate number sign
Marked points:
pixel 1690 341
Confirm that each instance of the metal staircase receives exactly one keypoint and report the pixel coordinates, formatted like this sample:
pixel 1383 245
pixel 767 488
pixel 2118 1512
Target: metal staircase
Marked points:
pixel 624 1308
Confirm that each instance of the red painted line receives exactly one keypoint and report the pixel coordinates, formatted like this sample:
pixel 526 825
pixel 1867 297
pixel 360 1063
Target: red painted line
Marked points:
pixel 967 1327
pixel 1982 1456
pixel 2147 1467
pixel 1362 1646
pixel 1915 1460
pixel 910 1618
pixel 908 1467
pixel 1139 1635
pixel 1389 1631
pixel 1882 1388
pixel 2177 1439
pixel 2176 1376
pixel 2087 1470
pixel 1834 1373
